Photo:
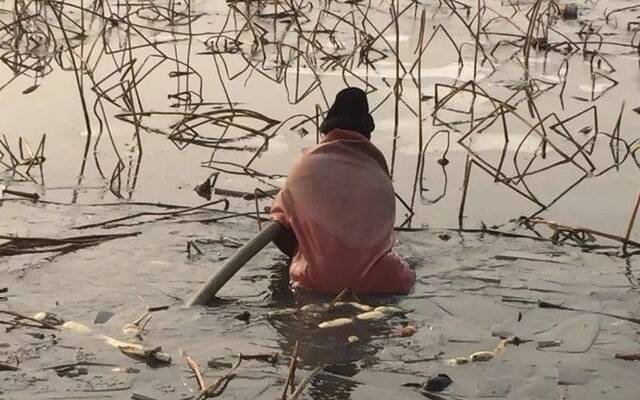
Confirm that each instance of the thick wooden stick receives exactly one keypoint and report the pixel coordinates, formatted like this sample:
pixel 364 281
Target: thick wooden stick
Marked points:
pixel 233 264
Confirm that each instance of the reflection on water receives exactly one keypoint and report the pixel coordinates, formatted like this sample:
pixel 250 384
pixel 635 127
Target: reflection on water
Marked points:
pixel 237 89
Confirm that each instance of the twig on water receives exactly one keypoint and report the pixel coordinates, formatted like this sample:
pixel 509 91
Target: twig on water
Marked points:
pixel 153 213
pixel 292 373
pixel 43 324
pixel 216 388
pixel 196 370
pixel 463 200
pixel 631 223
pixel 546 304
pixel 305 382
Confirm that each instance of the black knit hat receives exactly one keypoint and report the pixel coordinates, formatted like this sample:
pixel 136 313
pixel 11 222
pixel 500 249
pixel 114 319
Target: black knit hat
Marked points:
pixel 349 111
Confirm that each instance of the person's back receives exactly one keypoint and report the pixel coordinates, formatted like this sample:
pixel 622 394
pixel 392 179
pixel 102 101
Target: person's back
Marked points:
pixel 339 203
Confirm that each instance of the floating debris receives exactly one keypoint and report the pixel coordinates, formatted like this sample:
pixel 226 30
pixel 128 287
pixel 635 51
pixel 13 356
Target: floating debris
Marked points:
pixel 271 358
pixel 371 315
pixel 334 323
pixel 151 356
pixel 314 308
pixel 357 306
pixel 126 370
pixel 484 356
pixel 282 312
pixel 387 310
pixel 545 344
pixel 72 371
pixel 628 357
pixel 436 383
pixel 244 316
pixel 204 189
pixel 6 367
pixel 405 331
pixel 458 361
pixel 102 317
pixel 76 327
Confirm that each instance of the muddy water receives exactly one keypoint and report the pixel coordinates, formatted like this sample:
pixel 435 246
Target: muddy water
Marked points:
pixel 458 304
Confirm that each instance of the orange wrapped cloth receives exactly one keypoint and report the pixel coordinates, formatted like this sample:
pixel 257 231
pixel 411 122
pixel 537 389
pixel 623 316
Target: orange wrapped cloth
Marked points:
pixel 339 203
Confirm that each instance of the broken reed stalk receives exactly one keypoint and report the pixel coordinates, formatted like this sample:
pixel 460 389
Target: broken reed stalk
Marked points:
pixel 79 83
pixel 465 186
pixel 290 382
pixel 556 226
pixel 423 17
pixel 339 297
pixel 153 213
pixel 395 10
pixel 29 245
pixel 477 48
pixel 632 221
pixel 191 244
pixel 6 367
pixel 257 204
pixel 546 304
pixel 305 382
pixel 32 196
pixel 216 388
pixel 529 37
pixel 43 324
pixel 196 370
pixel 628 357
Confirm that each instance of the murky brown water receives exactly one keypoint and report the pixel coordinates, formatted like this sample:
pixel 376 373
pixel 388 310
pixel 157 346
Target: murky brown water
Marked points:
pixel 202 106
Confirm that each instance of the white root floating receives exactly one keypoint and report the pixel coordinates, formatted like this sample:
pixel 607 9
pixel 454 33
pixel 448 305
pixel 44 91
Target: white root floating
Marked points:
pixel 371 315
pixel 334 323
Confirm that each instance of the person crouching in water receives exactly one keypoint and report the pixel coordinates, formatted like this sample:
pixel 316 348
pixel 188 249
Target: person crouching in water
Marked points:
pixel 338 209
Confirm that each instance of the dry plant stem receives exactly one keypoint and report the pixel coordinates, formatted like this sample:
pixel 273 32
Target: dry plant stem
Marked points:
pixel 6 367
pixel 628 357
pixel 395 10
pixel 196 370
pixel 32 196
pixel 292 372
pixel 78 77
pixel 529 37
pixel 44 325
pixel 631 223
pixel 257 204
pixel 216 388
pixel 465 186
pixel 556 226
pixel 546 304
pixel 420 130
pixel 152 213
pixel 477 48
pixel 304 383
pixel 339 297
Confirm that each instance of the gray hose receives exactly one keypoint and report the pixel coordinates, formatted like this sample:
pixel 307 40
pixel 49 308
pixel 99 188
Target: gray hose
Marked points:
pixel 233 264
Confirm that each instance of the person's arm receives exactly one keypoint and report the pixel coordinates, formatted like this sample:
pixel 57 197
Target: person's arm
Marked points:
pixel 286 241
